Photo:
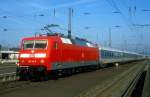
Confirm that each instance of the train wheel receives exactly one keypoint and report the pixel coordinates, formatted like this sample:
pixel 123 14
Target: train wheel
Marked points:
pixel 23 77
pixel 86 68
pixel 69 72
pixel 43 76
pixel 46 77
pixel 35 76
pixel 73 71
pixel 21 74
pixel 54 75
pixel 64 72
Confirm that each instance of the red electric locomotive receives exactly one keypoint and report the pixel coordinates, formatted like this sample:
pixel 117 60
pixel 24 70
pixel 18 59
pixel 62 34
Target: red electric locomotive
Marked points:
pixel 54 53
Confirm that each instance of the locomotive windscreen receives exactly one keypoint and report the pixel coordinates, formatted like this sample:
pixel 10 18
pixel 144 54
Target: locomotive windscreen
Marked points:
pixel 34 44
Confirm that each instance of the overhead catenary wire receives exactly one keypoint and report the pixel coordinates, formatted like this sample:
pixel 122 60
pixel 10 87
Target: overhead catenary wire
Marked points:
pixel 23 18
pixel 113 4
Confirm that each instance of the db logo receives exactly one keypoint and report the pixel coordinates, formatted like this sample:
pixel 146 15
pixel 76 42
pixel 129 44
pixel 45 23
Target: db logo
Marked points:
pixel 31 55
pixel 32 51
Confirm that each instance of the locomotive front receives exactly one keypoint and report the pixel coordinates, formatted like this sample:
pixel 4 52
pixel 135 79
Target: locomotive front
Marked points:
pixel 32 58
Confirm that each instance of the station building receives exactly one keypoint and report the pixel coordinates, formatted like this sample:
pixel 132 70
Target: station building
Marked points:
pixel 9 55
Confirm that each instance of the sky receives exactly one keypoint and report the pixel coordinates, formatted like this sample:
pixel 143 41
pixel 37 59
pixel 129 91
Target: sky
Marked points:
pixel 127 20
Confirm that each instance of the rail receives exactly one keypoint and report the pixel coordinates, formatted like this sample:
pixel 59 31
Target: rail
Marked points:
pixel 8 77
pixel 120 86
pixel 140 85
pixel 8 61
pixel 128 92
pixel 146 88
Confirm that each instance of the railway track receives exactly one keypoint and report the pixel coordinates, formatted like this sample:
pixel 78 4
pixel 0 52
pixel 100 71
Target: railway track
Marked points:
pixel 116 85
pixel 120 86
pixel 7 72
pixel 5 77
pixel 7 68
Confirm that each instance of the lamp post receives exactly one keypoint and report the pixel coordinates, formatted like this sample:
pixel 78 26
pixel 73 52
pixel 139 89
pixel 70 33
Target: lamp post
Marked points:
pixel 109 37
pixel 110 34
pixel 141 26
pixel 70 22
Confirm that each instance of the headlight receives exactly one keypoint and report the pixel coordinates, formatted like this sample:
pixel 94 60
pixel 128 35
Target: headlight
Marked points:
pixel 29 61
pixel 18 64
pixel 24 55
pixel 40 55
pixel 42 61
pixel 22 61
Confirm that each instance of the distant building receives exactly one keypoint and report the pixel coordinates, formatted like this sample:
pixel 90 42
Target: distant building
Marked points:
pixel 9 55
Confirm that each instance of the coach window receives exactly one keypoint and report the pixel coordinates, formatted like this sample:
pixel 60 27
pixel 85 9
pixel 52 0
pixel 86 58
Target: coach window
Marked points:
pixel 102 53
pixel 105 55
pixel 55 45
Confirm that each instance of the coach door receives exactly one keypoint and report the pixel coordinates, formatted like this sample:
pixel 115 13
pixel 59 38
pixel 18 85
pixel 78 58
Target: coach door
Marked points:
pixel 56 50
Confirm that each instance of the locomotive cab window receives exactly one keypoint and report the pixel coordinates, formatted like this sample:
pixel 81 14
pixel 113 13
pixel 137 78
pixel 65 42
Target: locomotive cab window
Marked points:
pixel 34 44
pixel 28 44
pixel 40 44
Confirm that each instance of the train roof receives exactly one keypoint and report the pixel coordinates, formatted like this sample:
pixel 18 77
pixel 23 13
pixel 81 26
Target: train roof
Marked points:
pixel 65 39
pixel 117 50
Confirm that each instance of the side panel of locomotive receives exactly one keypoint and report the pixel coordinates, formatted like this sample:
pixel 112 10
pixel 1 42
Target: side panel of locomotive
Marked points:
pixel 43 54
pixel 73 55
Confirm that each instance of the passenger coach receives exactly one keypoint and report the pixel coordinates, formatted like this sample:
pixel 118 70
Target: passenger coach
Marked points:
pixel 111 55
